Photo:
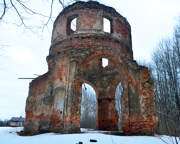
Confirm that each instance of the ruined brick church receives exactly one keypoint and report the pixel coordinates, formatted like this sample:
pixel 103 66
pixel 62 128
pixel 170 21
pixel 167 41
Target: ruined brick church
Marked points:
pixel 75 57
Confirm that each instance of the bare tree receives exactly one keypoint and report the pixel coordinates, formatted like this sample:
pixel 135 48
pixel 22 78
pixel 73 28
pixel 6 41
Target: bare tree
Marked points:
pixel 4 123
pixel 88 107
pixel 166 73
pixel 23 10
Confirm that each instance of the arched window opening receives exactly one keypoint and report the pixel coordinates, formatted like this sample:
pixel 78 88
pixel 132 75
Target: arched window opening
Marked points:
pixel 74 24
pixel 106 25
pixel 71 24
pixel 88 107
pixel 105 62
pixel 118 94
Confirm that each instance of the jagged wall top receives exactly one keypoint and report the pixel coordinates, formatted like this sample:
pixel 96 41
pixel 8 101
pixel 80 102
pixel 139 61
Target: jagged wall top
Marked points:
pixel 91 5
pixel 90 20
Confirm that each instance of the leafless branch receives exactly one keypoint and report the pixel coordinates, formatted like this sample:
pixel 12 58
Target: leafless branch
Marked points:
pixel 166 77
pixel 62 3
pixel 19 15
pixel 4 10
pixel 23 10
pixel 29 9
pixel 50 15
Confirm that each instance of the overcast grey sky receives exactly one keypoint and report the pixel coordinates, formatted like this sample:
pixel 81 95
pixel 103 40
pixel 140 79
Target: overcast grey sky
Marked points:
pixel 24 53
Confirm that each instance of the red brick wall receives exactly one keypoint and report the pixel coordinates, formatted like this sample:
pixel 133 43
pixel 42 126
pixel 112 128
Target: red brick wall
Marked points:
pixel 54 100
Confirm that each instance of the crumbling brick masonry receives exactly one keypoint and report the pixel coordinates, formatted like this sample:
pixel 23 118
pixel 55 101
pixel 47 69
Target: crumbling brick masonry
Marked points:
pixel 75 57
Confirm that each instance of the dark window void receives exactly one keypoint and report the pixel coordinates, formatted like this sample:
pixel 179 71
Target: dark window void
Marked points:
pixel 105 62
pixel 88 107
pixel 118 95
pixel 107 25
pixel 71 25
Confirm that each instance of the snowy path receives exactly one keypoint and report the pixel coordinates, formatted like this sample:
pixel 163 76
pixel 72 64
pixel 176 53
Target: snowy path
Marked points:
pixel 8 136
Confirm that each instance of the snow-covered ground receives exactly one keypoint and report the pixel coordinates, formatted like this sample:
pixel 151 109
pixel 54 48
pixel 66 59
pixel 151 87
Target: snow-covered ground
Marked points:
pixel 8 135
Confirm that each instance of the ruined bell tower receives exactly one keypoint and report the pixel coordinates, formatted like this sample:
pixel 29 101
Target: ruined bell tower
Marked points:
pixel 75 57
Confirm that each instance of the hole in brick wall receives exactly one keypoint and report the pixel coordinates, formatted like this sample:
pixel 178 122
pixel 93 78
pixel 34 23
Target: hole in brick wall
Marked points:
pixel 88 107
pixel 105 62
pixel 118 95
pixel 73 24
pixel 106 25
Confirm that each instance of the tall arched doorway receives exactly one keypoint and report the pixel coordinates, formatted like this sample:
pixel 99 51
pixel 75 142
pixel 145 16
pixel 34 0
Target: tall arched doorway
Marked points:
pixel 118 95
pixel 88 107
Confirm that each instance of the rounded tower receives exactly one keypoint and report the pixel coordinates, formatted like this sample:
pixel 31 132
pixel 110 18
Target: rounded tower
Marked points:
pixel 84 35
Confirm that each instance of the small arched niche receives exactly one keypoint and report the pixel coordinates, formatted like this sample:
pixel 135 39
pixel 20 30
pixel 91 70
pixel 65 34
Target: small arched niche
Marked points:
pixel 71 24
pixel 118 95
pixel 88 107
pixel 107 25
